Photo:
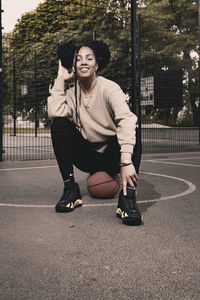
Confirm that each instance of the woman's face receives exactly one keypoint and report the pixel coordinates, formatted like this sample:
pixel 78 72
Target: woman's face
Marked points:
pixel 86 63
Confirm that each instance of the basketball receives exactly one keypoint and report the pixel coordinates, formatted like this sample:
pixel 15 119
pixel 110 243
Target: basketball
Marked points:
pixel 101 185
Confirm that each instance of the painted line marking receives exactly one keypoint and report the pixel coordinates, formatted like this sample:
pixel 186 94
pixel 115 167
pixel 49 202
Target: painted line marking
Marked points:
pixel 178 158
pixel 191 189
pixel 172 163
pixel 161 160
pixel 28 168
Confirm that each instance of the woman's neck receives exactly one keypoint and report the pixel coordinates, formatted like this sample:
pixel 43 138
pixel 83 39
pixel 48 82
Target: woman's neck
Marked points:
pixel 87 84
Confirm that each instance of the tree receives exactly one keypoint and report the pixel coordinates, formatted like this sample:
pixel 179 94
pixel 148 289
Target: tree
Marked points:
pixel 49 17
pixel 169 40
pixel 35 40
pixel 55 21
pixel 168 37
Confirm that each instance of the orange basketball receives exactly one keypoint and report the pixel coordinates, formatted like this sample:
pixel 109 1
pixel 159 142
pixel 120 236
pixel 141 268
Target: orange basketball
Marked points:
pixel 102 185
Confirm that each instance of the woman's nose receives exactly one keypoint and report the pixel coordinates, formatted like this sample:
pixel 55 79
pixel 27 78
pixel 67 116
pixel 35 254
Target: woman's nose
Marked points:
pixel 83 61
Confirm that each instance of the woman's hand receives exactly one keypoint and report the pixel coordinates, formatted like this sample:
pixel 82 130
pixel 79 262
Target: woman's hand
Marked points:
pixel 128 176
pixel 63 72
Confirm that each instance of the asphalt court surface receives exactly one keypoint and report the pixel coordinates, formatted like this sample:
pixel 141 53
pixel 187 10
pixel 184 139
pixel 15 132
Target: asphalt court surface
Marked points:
pixel 89 253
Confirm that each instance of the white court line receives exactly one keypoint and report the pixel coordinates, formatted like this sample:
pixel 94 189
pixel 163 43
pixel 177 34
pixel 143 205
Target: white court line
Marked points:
pixel 28 168
pixel 144 160
pixel 166 159
pixel 191 189
pixel 172 163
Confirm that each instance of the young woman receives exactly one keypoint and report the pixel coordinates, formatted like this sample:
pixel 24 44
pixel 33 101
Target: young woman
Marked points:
pixel 93 127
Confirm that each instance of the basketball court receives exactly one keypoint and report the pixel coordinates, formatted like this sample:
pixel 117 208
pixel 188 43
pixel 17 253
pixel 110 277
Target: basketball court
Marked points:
pixel 89 253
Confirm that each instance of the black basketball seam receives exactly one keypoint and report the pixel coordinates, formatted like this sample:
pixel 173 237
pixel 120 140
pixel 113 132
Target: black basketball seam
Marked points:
pixel 102 182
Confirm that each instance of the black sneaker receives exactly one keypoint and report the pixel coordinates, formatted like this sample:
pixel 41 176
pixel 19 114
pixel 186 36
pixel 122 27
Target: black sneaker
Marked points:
pixel 71 198
pixel 127 208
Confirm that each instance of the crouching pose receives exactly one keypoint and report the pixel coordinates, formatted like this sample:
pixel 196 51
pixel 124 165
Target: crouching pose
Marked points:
pixel 93 127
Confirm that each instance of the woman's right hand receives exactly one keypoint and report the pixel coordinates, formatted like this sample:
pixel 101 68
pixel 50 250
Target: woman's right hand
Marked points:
pixel 63 72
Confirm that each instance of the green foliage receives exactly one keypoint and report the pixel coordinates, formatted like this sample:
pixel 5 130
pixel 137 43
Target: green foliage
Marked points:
pixel 38 33
pixel 49 17
pixel 168 35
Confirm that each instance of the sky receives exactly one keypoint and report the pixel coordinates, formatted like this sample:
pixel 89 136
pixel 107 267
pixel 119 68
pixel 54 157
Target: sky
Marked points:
pixel 13 10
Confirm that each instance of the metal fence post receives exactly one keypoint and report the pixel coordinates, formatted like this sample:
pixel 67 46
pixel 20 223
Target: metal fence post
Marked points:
pixel 36 104
pixel 199 65
pixel 1 89
pixel 14 99
pixel 139 71
pixel 133 55
pixel 135 66
pixel 139 113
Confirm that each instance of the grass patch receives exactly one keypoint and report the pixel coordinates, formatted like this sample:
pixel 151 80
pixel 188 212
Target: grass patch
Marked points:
pixel 10 131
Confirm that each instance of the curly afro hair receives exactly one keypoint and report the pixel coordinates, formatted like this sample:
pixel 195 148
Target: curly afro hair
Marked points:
pixel 67 50
pixel 66 53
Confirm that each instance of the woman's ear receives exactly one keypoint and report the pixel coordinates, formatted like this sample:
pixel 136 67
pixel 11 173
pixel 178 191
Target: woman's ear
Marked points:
pixel 97 66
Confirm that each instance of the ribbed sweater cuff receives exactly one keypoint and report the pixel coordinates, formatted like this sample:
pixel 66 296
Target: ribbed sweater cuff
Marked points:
pixel 128 148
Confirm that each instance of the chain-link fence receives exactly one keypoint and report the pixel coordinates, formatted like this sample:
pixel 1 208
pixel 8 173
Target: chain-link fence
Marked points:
pixel 166 82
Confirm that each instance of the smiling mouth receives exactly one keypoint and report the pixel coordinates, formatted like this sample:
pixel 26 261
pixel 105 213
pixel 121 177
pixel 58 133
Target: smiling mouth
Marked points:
pixel 84 69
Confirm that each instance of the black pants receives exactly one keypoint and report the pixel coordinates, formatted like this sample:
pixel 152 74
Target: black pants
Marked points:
pixel 71 148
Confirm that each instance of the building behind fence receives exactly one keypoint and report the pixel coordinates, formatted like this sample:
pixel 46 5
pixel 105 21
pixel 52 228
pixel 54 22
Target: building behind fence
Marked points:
pixel 162 81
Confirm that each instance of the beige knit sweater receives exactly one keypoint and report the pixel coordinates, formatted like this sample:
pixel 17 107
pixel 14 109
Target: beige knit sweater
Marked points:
pixel 102 113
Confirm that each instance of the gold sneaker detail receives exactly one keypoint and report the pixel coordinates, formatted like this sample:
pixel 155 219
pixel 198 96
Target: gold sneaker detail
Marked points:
pixel 118 212
pixel 78 202
pixel 70 205
pixel 70 199
pixel 127 209
pixel 124 215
